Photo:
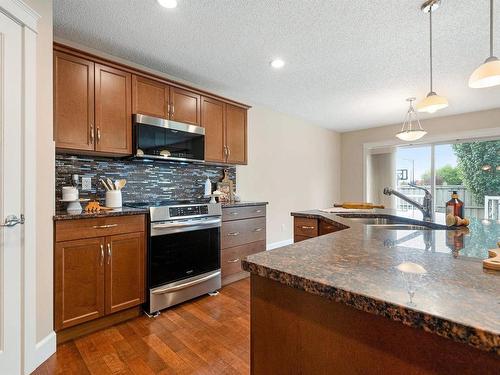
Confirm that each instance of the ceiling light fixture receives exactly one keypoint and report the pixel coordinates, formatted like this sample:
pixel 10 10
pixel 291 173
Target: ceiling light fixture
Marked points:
pixel 488 74
pixel 169 4
pixel 277 63
pixel 432 102
pixel 409 132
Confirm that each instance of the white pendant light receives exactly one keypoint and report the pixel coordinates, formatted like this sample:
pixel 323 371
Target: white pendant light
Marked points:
pixel 488 74
pixel 432 102
pixel 411 132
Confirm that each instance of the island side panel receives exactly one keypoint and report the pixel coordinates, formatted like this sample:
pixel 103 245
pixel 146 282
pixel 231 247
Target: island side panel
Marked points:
pixel 295 332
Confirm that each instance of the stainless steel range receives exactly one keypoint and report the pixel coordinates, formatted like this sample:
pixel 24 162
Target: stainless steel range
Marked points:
pixel 183 252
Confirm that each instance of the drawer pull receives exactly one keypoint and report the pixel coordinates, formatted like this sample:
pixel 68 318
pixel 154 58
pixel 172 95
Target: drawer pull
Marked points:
pixel 258 229
pixel 234 213
pixel 234 260
pixel 233 234
pixel 105 226
pixel 307 227
pixel 258 211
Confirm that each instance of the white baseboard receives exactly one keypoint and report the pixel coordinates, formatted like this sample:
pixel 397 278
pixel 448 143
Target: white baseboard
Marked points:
pixel 43 350
pixel 275 245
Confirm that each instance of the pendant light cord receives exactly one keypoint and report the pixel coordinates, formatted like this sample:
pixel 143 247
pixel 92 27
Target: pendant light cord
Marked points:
pixel 430 44
pixel 491 28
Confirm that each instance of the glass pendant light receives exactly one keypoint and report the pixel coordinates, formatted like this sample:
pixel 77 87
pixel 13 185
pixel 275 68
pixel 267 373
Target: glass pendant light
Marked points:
pixel 488 74
pixel 410 132
pixel 432 102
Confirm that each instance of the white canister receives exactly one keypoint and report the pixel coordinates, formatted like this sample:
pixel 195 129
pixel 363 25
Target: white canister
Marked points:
pixel 114 198
pixel 69 193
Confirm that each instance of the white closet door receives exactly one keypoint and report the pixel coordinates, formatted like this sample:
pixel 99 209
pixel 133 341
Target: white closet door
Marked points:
pixel 11 189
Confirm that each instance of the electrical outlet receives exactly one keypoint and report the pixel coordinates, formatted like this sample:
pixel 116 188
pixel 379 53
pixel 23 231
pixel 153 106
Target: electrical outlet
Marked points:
pixel 86 183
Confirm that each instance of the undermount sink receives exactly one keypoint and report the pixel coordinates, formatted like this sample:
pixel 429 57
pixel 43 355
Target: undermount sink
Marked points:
pixel 399 226
pixel 393 223
pixel 372 220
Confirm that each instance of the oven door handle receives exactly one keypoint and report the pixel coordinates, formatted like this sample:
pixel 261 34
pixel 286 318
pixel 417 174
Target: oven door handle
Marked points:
pixel 186 285
pixel 186 224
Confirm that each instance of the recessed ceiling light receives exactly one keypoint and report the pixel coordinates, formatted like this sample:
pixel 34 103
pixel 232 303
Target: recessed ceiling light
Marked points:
pixel 170 4
pixel 277 63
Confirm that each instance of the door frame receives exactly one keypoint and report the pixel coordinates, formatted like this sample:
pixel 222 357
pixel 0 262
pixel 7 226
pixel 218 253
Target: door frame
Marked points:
pixel 33 351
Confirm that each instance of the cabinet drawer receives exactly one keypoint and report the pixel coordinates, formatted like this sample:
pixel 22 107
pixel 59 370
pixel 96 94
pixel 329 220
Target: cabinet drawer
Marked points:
pixel 231 258
pixel 67 230
pixel 326 228
pixel 237 213
pixel 305 227
pixel 240 232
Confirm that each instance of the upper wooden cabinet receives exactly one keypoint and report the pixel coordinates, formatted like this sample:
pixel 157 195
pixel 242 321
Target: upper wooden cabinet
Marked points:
pixel 92 106
pixel 236 134
pixel 113 113
pixel 212 119
pixel 184 106
pixel 150 97
pixel 225 131
pixel 73 102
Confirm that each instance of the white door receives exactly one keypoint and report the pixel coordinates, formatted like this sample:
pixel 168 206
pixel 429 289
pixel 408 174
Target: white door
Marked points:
pixel 11 189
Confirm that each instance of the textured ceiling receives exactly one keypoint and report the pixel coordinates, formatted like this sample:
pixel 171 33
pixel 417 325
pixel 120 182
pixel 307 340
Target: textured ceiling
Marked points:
pixel 350 64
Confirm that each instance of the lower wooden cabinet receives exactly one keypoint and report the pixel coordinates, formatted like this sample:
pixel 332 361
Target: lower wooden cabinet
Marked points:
pixel 243 233
pixel 98 276
pixel 305 228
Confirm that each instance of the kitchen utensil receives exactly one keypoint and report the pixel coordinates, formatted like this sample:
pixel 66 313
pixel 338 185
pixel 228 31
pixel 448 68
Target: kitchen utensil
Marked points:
pixel 121 183
pixel 114 198
pixel 110 184
pixel 358 205
pixel 104 184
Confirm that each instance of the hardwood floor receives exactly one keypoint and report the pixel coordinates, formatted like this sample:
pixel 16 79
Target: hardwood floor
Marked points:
pixel 210 335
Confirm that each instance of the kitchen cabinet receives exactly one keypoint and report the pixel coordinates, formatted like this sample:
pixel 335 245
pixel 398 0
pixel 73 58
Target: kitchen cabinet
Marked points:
pixel 113 112
pixel 185 106
pixel 243 233
pixel 92 106
pixel 99 271
pixel 225 131
pixel 150 97
pixel 236 134
pixel 305 228
pixel 73 102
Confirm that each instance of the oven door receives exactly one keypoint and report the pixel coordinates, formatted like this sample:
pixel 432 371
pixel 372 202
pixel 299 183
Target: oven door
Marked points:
pixel 182 254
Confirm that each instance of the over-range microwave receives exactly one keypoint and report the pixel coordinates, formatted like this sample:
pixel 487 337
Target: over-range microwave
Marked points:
pixel 160 139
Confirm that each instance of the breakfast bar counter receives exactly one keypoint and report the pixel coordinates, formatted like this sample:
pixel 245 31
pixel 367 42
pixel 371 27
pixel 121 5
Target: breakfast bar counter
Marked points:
pixel 417 301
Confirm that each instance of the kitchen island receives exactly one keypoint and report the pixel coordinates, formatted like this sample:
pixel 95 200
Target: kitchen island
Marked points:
pixel 368 299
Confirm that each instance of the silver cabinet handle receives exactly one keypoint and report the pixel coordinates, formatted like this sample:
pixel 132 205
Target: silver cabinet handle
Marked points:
pixel 168 110
pixel 12 221
pixel 306 227
pixel 98 134
pixel 91 133
pixel 175 288
pixel 258 211
pixel 234 260
pixel 258 229
pixel 104 226
pixel 228 151
pixel 234 213
pixel 102 255
pixel 233 234
pixel 109 253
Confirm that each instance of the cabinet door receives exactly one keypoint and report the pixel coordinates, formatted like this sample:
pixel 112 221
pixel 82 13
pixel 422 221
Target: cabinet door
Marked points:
pixel 113 114
pixel 79 281
pixel 236 134
pixel 149 97
pixel 212 119
pixel 73 102
pixel 185 106
pixel 124 271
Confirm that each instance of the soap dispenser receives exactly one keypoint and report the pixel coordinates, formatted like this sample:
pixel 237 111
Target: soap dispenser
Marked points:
pixel 455 206
pixel 208 187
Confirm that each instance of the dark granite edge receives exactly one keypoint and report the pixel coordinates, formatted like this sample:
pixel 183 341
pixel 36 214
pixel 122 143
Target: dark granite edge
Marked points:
pixel 478 338
pixel 243 204
pixel 64 215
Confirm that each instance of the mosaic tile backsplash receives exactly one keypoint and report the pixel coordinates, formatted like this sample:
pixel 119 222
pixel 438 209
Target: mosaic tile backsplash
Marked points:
pixel 146 180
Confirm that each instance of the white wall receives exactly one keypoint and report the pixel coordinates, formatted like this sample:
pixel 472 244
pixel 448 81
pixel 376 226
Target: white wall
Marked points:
pixel 292 164
pixel 44 157
pixel 467 125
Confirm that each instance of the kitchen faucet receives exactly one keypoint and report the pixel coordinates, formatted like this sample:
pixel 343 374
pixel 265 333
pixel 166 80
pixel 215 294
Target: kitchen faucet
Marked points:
pixel 425 208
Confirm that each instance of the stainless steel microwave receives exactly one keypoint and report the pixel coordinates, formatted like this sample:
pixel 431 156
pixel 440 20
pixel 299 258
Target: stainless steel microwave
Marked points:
pixel 160 139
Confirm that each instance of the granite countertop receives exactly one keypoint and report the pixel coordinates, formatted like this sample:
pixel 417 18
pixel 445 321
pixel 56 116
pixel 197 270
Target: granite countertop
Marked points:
pixel 65 215
pixel 243 204
pixel 455 298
